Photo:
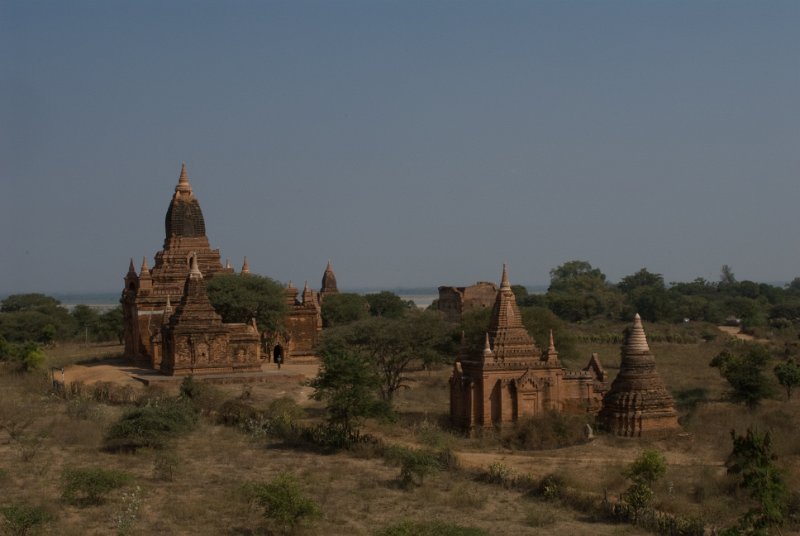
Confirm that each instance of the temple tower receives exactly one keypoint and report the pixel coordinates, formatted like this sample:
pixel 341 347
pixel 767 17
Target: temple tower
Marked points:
pixel 145 295
pixel 328 283
pixel 638 404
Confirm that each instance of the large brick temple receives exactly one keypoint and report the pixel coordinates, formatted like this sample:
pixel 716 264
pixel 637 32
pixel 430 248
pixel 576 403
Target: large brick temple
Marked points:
pixel 510 377
pixel 169 321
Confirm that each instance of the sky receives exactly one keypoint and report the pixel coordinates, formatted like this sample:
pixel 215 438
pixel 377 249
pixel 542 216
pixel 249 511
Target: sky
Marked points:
pixel 412 143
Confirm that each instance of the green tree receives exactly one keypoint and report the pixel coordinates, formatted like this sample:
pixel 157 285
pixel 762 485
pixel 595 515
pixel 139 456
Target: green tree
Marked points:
pixel 35 317
pixel 388 304
pixel 284 503
pixel 348 385
pixel 110 325
pixel 87 320
pixel 648 467
pixel 28 302
pixel 579 292
pixel 744 371
pixel 647 295
pixel 788 374
pixel 390 345
pixel 343 308
pixel 645 470
pixel 753 461
pixel 242 297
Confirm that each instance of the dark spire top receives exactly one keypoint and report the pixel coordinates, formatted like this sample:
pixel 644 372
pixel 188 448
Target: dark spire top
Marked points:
pixel 131 269
pixel 329 280
pixel 184 217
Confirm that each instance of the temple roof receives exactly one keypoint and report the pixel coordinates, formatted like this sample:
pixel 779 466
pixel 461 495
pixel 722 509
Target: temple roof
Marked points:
pixel 329 280
pixel 508 335
pixel 184 217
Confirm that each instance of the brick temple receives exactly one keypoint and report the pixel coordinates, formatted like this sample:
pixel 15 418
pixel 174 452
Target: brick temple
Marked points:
pixel 510 377
pixel 638 404
pixel 191 337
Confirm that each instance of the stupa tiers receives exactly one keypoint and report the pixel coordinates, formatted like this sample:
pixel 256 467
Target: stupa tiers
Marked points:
pixel 638 404
pixel 192 338
pixel 510 377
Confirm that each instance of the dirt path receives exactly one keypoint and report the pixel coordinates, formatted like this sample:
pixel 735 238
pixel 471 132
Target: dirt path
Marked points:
pixel 736 332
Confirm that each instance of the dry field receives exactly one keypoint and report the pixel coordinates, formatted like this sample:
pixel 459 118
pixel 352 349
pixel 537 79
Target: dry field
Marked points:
pixel 358 495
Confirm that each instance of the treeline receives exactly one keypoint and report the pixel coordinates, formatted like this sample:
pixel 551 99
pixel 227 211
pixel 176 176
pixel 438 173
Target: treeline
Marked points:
pixel 578 292
pixel 30 321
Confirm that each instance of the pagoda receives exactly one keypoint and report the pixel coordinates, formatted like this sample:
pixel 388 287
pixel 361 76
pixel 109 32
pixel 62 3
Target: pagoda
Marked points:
pixel 638 404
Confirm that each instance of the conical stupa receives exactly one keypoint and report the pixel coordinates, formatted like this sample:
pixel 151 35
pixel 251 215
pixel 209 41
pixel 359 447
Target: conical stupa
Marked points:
pixel 638 404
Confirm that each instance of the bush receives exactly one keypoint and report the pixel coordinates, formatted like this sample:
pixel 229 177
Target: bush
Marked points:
pixel 551 487
pixel 285 505
pixel 165 465
pixel 549 430
pixel 433 528
pixel 90 485
pixel 150 426
pixel 20 519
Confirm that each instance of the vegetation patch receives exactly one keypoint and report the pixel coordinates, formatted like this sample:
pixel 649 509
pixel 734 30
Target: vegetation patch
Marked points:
pixel 432 528
pixel 89 486
pixel 150 426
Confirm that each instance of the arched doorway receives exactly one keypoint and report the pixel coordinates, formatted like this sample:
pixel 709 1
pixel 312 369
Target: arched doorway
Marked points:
pixel 277 355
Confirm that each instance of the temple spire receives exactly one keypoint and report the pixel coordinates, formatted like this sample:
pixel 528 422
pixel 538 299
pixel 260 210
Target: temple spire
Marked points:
pixel 145 269
pixel 504 284
pixel 552 348
pixel 487 347
pixel 636 342
pixel 131 269
pixel 245 266
pixel 183 181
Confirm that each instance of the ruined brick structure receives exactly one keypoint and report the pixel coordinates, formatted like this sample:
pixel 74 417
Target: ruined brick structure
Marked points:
pixel 638 404
pixel 303 324
pixel 193 338
pixel 453 301
pixel 511 377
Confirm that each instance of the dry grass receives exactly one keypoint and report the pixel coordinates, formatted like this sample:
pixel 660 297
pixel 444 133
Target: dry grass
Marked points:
pixel 358 494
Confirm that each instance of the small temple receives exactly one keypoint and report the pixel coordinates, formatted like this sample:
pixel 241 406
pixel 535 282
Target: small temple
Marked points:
pixel 638 404
pixel 191 338
pixel 510 377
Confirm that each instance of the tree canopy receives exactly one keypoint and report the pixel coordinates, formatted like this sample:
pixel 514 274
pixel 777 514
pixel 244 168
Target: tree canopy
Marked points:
pixel 743 368
pixel 390 345
pixel 242 297
pixel 343 308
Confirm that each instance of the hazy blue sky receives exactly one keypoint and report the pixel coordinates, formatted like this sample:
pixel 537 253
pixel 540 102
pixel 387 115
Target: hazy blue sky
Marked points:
pixel 414 143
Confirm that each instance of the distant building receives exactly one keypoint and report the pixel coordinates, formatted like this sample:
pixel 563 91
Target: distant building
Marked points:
pixel 454 301
pixel 192 338
pixel 510 377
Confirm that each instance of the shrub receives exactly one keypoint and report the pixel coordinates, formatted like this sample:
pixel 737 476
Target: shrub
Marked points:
pixel 551 487
pixel 89 485
pixel 150 426
pixel 20 519
pixel 433 528
pixel 547 431
pixel 285 505
pixel 499 473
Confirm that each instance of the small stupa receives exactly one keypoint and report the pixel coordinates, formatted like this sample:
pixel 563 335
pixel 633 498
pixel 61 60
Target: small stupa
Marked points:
pixel 638 404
